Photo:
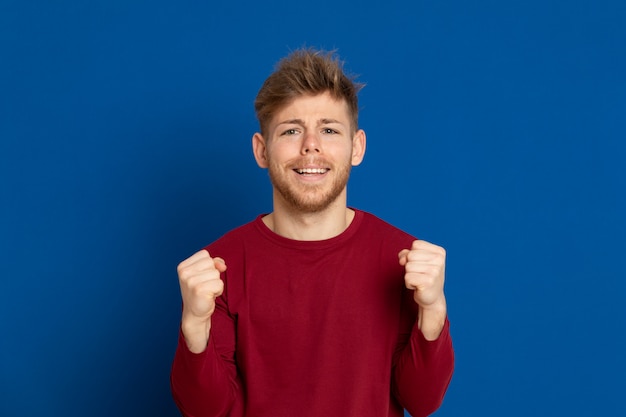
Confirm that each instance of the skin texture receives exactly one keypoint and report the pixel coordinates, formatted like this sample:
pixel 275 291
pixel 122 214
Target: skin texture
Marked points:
pixel 310 132
pixel 200 285
pixel 309 151
pixel 424 264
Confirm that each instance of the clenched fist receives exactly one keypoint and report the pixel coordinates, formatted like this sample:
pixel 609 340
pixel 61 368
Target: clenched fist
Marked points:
pixel 425 266
pixel 200 285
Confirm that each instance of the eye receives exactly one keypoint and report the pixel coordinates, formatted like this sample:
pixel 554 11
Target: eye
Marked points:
pixel 289 132
pixel 329 131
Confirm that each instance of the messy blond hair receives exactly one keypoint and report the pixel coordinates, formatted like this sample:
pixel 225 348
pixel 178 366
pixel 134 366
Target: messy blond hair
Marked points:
pixel 306 72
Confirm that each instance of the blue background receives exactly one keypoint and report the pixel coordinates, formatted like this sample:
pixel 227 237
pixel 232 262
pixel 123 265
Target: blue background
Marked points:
pixel 495 128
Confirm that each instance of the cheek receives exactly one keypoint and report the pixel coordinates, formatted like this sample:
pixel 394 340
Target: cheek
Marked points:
pixel 348 155
pixel 273 154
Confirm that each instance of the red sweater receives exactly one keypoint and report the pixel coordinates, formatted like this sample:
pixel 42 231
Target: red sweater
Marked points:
pixel 313 328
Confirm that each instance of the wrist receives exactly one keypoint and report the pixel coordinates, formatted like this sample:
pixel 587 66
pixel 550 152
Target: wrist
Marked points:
pixel 196 333
pixel 437 307
pixel 431 319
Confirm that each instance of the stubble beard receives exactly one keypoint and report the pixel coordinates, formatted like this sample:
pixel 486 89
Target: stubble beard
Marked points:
pixel 309 198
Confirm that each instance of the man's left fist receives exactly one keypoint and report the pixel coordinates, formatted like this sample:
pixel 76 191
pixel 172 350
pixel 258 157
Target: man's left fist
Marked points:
pixel 425 266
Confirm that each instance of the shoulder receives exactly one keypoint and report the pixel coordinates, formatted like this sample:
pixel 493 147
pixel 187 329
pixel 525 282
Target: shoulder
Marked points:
pixel 234 239
pixel 381 229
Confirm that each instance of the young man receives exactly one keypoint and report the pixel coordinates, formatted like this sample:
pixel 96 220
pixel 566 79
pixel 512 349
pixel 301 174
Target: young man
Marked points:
pixel 315 309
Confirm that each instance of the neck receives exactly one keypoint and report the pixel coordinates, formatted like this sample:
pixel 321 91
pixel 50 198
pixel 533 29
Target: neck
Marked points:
pixel 321 225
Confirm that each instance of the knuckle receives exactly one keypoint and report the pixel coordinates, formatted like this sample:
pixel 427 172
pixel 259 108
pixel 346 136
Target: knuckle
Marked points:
pixel 219 287
pixel 184 274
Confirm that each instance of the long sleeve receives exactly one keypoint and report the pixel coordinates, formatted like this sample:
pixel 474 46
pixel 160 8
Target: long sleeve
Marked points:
pixel 303 320
pixel 206 384
pixel 423 370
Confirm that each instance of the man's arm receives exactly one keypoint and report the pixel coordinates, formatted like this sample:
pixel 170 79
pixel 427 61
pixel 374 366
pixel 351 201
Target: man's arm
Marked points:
pixel 424 364
pixel 204 378
pixel 422 372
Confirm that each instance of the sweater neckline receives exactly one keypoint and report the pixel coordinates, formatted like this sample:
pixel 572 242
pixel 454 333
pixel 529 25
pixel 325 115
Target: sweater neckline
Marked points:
pixel 310 244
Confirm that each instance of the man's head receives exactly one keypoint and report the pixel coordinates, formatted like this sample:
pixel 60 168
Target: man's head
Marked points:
pixel 306 72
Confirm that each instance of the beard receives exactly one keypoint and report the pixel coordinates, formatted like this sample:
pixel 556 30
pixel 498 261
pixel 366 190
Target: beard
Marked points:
pixel 309 198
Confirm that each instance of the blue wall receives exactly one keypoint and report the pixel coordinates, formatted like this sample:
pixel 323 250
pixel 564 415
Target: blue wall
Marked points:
pixel 495 128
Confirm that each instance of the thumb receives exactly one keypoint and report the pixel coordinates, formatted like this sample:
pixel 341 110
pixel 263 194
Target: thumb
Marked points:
pixel 219 263
pixel 402 256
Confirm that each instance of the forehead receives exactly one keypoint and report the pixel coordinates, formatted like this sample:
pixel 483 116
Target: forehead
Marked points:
pixel 320 106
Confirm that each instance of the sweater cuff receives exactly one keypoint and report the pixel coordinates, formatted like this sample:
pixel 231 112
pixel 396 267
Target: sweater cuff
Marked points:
pixel 432 345
pixel 189 356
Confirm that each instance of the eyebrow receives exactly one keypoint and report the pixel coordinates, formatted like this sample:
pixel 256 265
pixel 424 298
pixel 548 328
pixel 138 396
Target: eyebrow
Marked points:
pixel 301 122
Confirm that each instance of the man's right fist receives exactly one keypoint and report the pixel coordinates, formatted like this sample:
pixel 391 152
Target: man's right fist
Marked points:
pixel 200 285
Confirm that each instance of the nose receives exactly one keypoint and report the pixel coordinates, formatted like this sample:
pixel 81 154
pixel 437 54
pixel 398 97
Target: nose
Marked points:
pixel 311 144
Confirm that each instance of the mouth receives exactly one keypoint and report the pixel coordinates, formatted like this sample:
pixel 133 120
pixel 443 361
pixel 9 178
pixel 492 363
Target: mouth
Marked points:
pixel 311 171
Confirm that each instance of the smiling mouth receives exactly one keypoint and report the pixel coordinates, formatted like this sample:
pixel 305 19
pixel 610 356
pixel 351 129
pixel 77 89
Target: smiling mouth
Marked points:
pixel 311 171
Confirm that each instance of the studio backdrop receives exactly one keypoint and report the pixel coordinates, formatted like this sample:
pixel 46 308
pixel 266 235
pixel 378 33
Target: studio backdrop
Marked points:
pixel 494 129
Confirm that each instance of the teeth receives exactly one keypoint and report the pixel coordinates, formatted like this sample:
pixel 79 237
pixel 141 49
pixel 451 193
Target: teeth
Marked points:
pixel 312 171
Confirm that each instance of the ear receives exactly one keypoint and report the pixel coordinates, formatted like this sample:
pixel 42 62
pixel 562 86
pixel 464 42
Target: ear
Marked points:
pixel 259 149
pixel 358 147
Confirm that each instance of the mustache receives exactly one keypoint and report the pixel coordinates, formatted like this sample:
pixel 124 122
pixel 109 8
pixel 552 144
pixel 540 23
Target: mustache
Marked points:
pixel 310 161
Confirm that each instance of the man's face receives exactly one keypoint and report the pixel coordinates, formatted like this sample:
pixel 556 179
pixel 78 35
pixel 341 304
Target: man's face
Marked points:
pixel 309 152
